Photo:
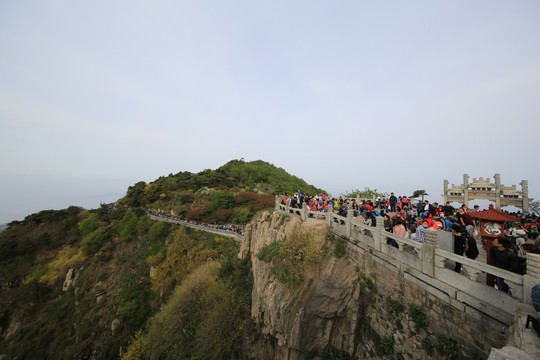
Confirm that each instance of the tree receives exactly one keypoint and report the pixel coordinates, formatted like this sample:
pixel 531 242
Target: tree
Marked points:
pixel 90 224
pixel 159 231
pixel 534 207
pixel 135 194
pixel 418 193
pixel 367 193
pixel 220 200
pixel 92 243
pixel 128 226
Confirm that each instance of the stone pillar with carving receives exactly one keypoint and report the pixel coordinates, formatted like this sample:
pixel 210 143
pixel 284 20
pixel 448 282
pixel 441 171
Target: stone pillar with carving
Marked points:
pixel 277 202
pixel 532 277
pixel 303 212
pixel 466 189
pixel 348 223
pixel 445 194
pixel 428 252
pixel 330 215
pixel 525 200
pixel 377 234
pixel 498 191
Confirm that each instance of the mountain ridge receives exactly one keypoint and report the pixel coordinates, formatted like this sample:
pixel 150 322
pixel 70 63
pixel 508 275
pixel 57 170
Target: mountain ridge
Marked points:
pixel 78 283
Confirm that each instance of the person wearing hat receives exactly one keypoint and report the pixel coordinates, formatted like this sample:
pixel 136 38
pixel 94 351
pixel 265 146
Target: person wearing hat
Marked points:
pixel 518 234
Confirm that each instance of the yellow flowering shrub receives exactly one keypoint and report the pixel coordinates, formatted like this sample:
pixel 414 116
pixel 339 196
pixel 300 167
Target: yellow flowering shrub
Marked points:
pixel 67 257
pixel 291 257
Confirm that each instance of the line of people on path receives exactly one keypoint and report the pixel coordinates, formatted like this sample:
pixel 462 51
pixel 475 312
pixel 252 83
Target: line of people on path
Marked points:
pixel 233 228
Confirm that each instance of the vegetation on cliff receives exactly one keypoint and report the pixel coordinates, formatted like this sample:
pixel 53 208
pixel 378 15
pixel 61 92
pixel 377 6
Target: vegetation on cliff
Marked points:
pixel 203 319
pixel 232 193
pixel 292 257
pixel 85 284
pixel 112 253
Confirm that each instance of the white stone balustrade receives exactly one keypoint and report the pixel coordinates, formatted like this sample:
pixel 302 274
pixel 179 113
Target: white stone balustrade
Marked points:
pixel 425 264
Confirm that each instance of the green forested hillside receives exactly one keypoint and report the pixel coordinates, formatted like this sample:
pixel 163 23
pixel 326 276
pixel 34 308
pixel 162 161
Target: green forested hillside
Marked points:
pixel 125 268
pixel 232 193
pixel 84 284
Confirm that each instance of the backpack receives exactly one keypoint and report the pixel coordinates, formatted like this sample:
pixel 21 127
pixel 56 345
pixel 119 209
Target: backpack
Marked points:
pixel 514 247
pixel 534 230
pixel 535 323
pixel 472 251
pixel 518 265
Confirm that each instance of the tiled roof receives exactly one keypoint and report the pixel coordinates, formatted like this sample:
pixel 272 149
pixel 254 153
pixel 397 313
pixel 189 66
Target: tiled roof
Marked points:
pixel 493 214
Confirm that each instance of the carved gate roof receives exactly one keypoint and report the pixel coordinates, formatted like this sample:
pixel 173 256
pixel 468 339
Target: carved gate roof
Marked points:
pixel 493 214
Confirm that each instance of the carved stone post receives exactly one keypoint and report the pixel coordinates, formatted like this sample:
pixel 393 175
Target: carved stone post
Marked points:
pixel 350 214
pixel 329 215
pixel 525 197
pixel 377 235
pixel 498 191
pixel 466 189
pixel 277 202
pixel 428 252
pixel 532 277
pixel 303 213
pixel 445 195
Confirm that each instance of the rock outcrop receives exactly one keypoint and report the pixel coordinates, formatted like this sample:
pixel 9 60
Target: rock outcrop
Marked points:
pixel 324 311
pixel 69 280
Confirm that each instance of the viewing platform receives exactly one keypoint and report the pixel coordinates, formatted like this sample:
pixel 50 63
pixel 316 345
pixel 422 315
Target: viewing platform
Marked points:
pixel 428 265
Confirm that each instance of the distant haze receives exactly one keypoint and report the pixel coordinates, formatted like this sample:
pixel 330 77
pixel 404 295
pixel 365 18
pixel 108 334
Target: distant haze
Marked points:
pixel 30 196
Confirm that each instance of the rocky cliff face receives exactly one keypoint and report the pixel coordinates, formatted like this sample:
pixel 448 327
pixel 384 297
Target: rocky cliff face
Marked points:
pixel 323 311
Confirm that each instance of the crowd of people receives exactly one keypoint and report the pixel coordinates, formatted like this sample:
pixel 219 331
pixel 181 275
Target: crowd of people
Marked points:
pixel 216 226
pixel 411 219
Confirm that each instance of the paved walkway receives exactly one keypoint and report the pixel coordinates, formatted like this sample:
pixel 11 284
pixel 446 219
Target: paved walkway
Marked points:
pixel 230 234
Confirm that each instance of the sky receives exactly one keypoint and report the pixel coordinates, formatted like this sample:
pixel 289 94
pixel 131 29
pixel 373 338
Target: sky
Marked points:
pixel 390 95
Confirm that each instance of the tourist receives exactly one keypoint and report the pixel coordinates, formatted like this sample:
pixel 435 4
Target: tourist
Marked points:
pixel 387 223
pixel 368 206
pixel 421 231
pixel 399 228
pixel 428 208
pixel 438 223
pixel 393 201
pixel 419 208
pixel 519 235
pixel 535 297
pixel 401 214
pixel 460 244
pixel 467 221
pixel 412 231
pixel 448 210
pixel 502 257
pixel 533 229
pixel 405 202
pixel 438 208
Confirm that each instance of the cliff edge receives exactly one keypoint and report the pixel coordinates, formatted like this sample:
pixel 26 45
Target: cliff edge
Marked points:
pixel 322 311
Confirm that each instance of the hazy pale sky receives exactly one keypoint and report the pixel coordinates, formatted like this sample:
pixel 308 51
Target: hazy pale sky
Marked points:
pixel 392 95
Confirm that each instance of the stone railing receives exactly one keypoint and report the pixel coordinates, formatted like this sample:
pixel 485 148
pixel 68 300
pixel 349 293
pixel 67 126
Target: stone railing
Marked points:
pixel 430 267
